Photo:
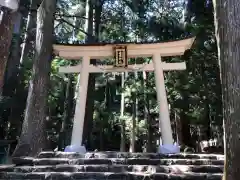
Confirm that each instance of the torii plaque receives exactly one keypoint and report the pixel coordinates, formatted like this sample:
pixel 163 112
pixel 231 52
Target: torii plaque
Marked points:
pixel 121 54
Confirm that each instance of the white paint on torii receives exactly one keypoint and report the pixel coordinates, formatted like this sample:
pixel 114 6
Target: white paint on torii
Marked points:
pixel 155 50
pixel 174 48
pixel 130 68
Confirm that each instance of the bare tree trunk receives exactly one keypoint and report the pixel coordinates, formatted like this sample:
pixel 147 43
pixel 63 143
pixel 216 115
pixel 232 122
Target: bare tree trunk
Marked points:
pixel 137 115
pixel 132 147
pixel 13 62
pixel 147 115
pixel 123 136
pixel 208 121
pixel 122 120
pixel 133 129
pixel 185 128
pixel 93 35
pixel 68 107
pixel 11 78
pixel 14 74
pixel 88 120
pixel 6 25
pixel 32 137
pixel 178 129
pixel 227 26
pixel 101 133
pixel 184 119
pixel 30 34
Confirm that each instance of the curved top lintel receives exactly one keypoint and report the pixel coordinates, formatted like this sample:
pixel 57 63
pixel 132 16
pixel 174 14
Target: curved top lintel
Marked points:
pixel 133 50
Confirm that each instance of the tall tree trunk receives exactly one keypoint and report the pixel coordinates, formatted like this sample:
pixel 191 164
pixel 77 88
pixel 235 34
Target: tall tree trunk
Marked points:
pixel 11 79
pixel 186 138
pixel 6 26
pixel 137 116
pixel 133 129
pixel 88 120
pixel 29 37
pixel 93 36
pixel 68 107
pixel 14 86
pixel 101 133
pixel 123 136
pixel 204 96
pixel 228 39
pixel 208 121
pixel 178 129
pixel 132 147
pixel 122 120
pixel 13 62
pixel 219 108
pixel 185 127
pixel 32 137
pixel 147 114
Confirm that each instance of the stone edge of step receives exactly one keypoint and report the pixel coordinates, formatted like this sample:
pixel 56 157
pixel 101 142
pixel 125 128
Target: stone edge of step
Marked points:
pixel 109 154
pixel 127 161
pixel 114 168
pixel 47 175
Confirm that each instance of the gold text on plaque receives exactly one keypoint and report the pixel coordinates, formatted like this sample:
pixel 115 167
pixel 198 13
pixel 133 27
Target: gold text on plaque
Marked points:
pixel 120 56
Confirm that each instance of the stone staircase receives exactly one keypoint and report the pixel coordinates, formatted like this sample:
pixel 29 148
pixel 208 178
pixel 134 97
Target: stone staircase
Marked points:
pixel 114 166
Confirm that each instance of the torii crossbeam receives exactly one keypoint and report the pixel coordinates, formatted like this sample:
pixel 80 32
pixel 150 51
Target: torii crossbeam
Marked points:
pixel 130 68
pixel 154 50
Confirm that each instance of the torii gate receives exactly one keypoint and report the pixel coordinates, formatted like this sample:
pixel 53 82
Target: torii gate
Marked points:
pixel 122 52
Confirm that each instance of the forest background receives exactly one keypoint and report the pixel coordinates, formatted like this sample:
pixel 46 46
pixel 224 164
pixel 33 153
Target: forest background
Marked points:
pixel 194 95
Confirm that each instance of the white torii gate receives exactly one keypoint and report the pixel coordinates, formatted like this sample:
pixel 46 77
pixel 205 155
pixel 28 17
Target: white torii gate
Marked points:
pixel 154 50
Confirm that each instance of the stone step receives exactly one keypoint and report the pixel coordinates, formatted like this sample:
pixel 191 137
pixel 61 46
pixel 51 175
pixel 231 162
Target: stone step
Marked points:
pixel 114 168
pixel 108 176
pixel 111 154
pixel 112 161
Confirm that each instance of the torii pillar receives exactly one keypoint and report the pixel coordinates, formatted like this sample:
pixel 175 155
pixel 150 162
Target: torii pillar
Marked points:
pixel 155 50
pixel 78 124
pixel 167 145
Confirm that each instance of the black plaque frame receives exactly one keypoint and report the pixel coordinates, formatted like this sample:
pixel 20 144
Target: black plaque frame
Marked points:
pixel 123 51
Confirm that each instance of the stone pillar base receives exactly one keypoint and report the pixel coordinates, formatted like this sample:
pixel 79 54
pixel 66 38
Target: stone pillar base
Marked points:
pixel 75 148
pixel 169 149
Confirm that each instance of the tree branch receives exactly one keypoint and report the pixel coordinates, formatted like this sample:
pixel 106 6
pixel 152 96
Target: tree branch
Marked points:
pixel 70 16
pixel 58 24
pixel 70 24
